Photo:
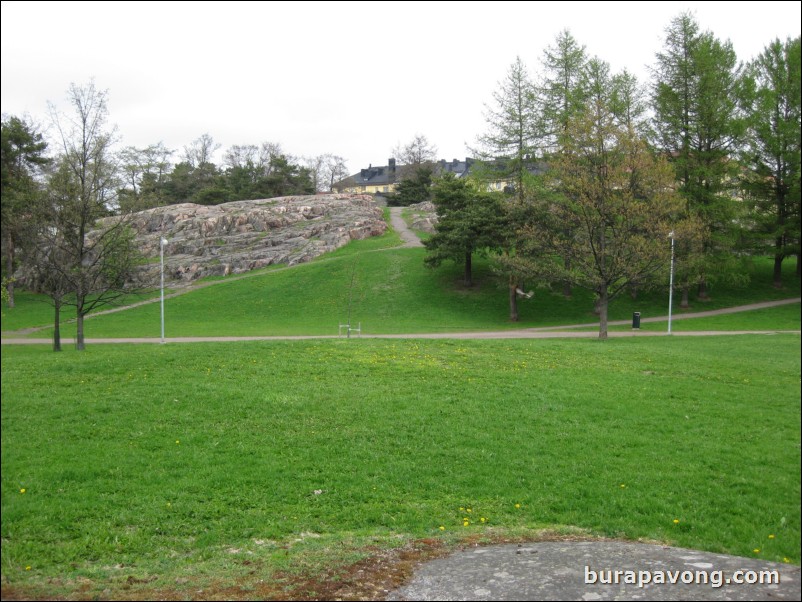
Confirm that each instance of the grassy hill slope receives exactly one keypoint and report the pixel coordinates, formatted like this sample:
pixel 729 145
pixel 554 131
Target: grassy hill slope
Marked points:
pixel 387 290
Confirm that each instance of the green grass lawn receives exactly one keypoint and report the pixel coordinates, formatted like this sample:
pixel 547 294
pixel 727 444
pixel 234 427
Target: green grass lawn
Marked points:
pixel 135 471
pixel 785 317
pixel 142 467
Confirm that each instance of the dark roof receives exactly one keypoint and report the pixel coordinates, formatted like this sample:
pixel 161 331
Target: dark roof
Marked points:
pixel 373 176
pixel 458 167
pixel 386 175
pixel 376 176
pixel 501 167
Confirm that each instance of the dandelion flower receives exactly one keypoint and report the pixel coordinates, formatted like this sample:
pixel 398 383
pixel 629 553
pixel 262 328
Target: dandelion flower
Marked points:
pixel 28 568
pixel 442 528
pixel 676 521
pixel 483 519
pixel 771 536
pixel 517 505
pixel 623 486
pixel 177 442
pixel 756 550
pixel 468 510
pixel 22 490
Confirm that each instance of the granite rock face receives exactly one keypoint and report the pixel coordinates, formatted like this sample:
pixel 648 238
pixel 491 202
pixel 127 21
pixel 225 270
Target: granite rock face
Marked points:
pixel 424 217
pixel 237 237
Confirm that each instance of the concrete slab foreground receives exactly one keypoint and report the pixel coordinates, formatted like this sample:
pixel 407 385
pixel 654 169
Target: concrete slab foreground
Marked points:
pixel 599 570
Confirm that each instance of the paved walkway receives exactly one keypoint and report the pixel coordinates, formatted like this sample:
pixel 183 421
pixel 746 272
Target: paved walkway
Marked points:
pixel 585 570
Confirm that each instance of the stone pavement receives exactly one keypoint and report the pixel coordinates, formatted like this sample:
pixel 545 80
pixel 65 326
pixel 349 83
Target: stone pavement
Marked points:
pixel 583 570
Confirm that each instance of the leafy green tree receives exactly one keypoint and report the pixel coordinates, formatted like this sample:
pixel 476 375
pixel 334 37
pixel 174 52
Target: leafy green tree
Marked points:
pixel 527 252
pixel 196 179
pixel 512 133
pixel 180 186
pixel 698 125
pixel 23 149
pixel 469 221
pixel 145 172
pixel 415 188
pixel 772 154
pixel 562 93
pixel 630 103
pixel 284 178
pixel 415 172
pixel 510 146
pixel 617 202
pixel 563 89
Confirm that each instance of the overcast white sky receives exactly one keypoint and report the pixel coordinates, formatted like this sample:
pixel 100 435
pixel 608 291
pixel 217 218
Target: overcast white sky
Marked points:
pixel 350 78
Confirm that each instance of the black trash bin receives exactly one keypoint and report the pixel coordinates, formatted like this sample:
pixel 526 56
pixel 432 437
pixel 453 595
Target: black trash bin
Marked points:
pixel 636 321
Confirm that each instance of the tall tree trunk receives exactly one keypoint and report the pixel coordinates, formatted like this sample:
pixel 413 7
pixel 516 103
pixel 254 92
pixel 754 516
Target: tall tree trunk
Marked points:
pixel 57 326
pixel 468 269
pixel 513 299
pixel 79 332
pixel 778 270
pixel 702 293
pixel 10 269
pixel 602 304
pixel 684 304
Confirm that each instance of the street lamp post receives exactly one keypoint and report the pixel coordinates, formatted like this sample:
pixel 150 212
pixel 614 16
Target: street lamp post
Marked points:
pixel 162 242
pixel 671 282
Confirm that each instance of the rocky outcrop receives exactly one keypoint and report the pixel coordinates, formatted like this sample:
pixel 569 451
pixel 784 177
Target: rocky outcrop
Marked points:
pixel 237 237
pixel 423 217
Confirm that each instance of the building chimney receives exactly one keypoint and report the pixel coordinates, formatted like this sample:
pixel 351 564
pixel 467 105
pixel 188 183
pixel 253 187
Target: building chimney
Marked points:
pixel 391 164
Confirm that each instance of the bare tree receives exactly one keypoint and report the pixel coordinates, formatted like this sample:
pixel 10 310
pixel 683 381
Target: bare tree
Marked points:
pixel 418 152
pixel 200 152
pixel 315 166
pixel 82 247
pixel 241 156
pixel 268 153
pixel 335 170
pixel 325 170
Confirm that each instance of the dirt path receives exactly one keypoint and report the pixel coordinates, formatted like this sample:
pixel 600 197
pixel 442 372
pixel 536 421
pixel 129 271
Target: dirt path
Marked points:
pixel 571 331
pixel 399 225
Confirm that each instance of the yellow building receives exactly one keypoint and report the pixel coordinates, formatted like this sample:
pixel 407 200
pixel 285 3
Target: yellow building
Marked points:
pixel 373 180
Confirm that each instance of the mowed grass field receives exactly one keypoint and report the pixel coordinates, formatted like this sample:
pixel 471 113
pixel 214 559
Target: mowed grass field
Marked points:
pixel 145 468
pixel 263 469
